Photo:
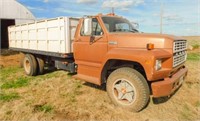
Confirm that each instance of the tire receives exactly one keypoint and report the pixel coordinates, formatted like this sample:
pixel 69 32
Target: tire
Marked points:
pixel 30 65
pixel 128 89
pixel 40 63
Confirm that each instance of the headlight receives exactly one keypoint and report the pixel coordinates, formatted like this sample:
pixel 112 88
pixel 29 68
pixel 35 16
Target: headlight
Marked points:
pixel 158 65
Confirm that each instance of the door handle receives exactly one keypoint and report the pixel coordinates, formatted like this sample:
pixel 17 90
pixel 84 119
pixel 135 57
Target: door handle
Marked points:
pixel 78 40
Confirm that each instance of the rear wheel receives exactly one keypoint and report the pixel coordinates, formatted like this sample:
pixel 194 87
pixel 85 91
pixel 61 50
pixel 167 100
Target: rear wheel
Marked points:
pixel 128 89
pixel 30 65
pixel 40 63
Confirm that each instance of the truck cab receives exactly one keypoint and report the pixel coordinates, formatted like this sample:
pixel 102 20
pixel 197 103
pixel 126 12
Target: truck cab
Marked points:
pixel 107 46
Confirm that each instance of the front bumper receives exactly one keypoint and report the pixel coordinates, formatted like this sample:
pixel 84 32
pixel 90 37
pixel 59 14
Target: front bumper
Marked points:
pixel 168 85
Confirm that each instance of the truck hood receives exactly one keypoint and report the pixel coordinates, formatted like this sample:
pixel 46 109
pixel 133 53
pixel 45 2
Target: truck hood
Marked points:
pixel 140 40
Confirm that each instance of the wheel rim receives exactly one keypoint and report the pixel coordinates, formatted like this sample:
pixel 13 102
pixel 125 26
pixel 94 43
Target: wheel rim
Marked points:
pixel 124 91
pixel 27 66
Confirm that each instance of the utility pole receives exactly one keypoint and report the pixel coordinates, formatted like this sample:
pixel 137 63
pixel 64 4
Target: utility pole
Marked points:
pixel 161 18
pixel 198 17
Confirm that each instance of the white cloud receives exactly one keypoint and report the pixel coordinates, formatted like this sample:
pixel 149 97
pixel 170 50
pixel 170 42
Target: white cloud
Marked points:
pixel 182 16
pixel 155 1
pixel 172 17
pixel 121 4
pixel 63 10
pixel 75 13
pixel 41 18
pixel 35 8
pixel 87 1
pixel 169 17
pixel 46 1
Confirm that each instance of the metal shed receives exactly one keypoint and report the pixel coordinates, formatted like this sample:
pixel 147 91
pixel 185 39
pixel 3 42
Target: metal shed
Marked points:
pixel 11 13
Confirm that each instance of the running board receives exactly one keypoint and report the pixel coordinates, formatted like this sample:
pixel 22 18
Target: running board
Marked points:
pixel 88 79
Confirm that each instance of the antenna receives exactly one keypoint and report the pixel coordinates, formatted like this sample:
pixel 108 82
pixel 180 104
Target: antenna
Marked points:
pixel 161 18
pixel 113 10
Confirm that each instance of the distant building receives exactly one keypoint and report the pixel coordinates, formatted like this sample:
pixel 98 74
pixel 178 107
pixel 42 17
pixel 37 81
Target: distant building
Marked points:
pixel 11 13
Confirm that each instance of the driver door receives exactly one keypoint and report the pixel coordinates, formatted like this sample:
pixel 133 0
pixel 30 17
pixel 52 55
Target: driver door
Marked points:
pixel 89 52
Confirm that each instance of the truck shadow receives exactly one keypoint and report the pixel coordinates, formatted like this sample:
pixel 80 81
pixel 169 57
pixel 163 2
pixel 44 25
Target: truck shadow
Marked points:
pixel 49 69
pixel 88 84
pixel 156 101
pixel 102 87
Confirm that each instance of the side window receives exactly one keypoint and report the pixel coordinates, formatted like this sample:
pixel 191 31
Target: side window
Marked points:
pixel 96 30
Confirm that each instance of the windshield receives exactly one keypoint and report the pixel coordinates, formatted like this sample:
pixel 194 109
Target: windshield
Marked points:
pixel 116 24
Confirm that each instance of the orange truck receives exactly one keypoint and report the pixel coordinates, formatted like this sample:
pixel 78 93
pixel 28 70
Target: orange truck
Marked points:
pixel 105 49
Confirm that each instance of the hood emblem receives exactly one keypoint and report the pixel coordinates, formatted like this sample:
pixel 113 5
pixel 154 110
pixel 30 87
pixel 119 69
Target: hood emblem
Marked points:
pixel 112 43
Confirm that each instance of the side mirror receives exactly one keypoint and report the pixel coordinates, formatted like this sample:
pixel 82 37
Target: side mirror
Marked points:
pixel 87 26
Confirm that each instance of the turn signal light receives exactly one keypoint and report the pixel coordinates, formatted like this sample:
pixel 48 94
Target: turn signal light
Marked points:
pixel 150 46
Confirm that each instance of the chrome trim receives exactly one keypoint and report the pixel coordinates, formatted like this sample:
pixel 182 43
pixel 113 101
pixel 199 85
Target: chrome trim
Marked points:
pixel 179 50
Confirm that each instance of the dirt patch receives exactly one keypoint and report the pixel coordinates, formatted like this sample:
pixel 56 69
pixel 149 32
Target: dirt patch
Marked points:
pixel 10 60
pixel 6 52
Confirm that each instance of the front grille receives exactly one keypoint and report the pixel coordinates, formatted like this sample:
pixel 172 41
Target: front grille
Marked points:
pixel 179 50
pixel 180 45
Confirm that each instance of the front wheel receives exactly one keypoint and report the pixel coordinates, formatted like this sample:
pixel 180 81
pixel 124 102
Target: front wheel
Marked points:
pixel 128 89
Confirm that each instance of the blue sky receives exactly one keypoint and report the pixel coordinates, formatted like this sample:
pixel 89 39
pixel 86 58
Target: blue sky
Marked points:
pixel 180 17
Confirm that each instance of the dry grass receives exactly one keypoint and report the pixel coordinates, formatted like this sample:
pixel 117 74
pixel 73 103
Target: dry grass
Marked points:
pixel 192 40
pixel 57 96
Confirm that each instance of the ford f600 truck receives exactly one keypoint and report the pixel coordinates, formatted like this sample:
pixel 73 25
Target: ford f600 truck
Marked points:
pixel 105 49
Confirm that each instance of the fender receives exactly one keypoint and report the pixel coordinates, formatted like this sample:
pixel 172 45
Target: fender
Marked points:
pixel 142 56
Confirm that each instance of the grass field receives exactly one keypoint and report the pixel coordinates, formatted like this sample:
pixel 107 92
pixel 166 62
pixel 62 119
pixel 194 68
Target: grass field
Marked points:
pixel 57 96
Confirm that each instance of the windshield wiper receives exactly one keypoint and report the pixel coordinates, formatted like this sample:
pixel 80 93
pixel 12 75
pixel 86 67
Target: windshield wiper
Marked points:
pixel 126 30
